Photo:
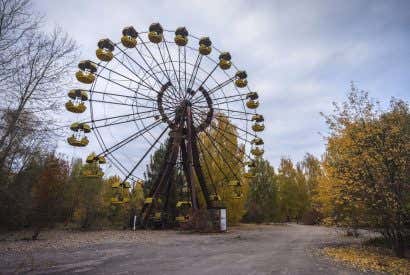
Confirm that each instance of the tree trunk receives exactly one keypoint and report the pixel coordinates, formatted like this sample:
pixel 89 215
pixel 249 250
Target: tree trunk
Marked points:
pixel 398 245
pixel 36 232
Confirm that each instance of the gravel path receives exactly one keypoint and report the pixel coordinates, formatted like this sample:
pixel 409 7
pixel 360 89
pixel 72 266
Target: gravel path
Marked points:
pixel 248 249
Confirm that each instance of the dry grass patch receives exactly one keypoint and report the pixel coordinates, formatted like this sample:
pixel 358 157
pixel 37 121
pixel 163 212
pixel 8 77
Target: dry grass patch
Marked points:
pixel 369 259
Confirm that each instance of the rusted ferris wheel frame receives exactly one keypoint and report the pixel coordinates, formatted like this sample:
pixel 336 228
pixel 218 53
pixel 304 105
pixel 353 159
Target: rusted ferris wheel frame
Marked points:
pixel 156 85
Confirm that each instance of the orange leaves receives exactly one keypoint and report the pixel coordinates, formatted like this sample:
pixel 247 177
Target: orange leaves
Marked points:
pixel 367 259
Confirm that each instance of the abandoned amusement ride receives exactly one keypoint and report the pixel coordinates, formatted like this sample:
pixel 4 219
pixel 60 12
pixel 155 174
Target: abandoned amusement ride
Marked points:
pixel 165 87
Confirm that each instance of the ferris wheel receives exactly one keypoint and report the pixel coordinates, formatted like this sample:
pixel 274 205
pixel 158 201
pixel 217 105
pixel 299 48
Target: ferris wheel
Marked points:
pixel 166 87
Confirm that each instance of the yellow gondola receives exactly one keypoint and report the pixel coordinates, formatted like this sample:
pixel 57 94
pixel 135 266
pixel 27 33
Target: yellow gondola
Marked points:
pixel 205 46
pixel 251 163
pixel 105 49
pixel 102 160
pixel 215 197
pixel 234 183
pixel 257 141
pixel 74 126
pixel 252 95
pixel 237 195
pixel 104 55
pixel 79 108
pixel 225 60
pixel 258 127
pixel 86 72
pixel 129 37
pixel 73 141
pixel 155 33
pixel 248 175
pixel 78 126
pixel 90 158
pixel 182 219
pixel 241 81
pixel 78 93
pixel 258 118
pixel 126 185
pixel 116 200
pixel 183 204
pixel 252 104
pixel 84 141
pixel 181 36
pixel 115 184
pixel 85 127
pixel 157 216
pixel 85 77
pixel 93 170
pixel 257 151
pixel 93 173
pixel 76 106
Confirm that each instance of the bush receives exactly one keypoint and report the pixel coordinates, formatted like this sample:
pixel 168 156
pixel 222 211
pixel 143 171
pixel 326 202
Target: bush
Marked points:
pixel 311 217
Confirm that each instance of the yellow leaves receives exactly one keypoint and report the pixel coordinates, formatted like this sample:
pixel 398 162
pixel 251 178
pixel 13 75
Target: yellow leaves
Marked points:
pixel 221 159
pixel 365 258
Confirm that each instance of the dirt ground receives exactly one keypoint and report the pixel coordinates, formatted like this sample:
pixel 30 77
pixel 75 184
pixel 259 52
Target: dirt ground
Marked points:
pixel 247 249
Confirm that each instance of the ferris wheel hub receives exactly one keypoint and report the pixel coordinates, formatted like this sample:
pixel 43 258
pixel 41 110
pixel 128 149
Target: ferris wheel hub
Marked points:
pixel 199 103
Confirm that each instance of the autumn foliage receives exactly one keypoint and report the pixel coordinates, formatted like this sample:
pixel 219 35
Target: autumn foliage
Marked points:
pixel 366 182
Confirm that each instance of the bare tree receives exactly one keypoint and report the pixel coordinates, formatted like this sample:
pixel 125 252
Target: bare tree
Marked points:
pixel 34 68
pixel 16 22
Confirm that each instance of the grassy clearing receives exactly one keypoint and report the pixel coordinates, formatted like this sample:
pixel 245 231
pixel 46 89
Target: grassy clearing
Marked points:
pixel 369 259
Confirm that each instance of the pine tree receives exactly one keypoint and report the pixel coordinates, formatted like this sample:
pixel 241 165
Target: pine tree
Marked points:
pixel 262 202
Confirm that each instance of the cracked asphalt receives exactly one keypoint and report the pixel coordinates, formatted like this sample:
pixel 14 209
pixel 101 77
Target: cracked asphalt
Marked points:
pixel 247 249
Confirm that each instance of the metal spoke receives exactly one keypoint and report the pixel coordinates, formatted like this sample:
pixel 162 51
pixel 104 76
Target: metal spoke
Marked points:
pixel 173 67
pixel 233 111
pixel 102 119
pixel 141 67
pixel 207 168
pixel 146 153
pixel 125 87
pixel 121 122
pixel 213 159
pixel 221 85
pixel 128 139
pixel 155 60
pixel 247 132
pixel 219 130
pixel 149 66
pixel 224 102
pixel 123 104
pixel 118 95
pixel 203 82
pixel 222 155
pixel 236 127
pixel 163 62
pixel 126 77
pixel 195 71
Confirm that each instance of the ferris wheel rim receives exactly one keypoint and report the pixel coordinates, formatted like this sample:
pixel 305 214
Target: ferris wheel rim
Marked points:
pixel 101 64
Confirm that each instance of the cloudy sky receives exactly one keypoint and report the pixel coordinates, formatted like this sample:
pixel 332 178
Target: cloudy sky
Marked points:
pixel 300 55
